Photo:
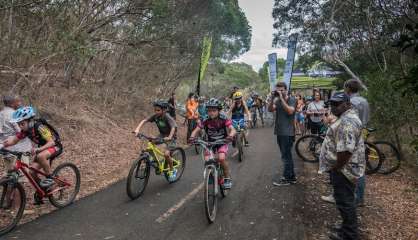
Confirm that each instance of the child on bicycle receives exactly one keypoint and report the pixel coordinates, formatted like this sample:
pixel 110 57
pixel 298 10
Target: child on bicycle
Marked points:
pixel 47 141
pixel 238 111
pixel 168 128
pixel 217 127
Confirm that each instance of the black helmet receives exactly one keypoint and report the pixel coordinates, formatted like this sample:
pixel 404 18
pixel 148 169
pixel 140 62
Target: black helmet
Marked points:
pixel 161 103
pixel 214 103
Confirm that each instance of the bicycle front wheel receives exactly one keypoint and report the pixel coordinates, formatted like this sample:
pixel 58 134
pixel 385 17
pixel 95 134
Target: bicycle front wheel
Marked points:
pixel 67 180
pixel 374 158
pixel 12 205
pixel 308 148
pixel 240 146
pixel 210 196
pixel 391 157
pixel 138 178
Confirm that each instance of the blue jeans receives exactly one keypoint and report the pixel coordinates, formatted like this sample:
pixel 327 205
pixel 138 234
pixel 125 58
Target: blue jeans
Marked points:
pixel 345 201
pixel 361 185
pixel 285 145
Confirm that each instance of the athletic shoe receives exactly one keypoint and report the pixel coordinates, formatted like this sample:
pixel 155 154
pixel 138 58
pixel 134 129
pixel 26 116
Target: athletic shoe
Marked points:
pixel 227 183
pixel 328 199
pixel 172 175
pixel 281 182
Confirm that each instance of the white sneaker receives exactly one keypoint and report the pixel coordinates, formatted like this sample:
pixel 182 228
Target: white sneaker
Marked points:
pixel 328 199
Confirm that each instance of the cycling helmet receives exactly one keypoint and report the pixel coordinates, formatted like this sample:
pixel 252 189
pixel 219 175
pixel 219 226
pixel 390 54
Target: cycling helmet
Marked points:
pixel 161 103
pixel 237 96
pixel 255 94
pixel 23 113
pixel 214 103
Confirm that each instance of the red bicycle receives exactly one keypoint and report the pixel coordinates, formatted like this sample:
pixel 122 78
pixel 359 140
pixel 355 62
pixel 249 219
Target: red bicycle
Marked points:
pixel 62 193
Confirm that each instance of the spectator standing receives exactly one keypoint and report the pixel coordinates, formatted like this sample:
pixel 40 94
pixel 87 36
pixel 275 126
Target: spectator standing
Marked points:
pixel 343 156
pixel 316 111
pixel 191 113
pixel 359 104
pixel 9 129
pixel 284 107
pixel 300 117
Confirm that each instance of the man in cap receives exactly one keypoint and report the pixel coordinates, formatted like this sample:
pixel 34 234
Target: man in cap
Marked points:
pixel 343 156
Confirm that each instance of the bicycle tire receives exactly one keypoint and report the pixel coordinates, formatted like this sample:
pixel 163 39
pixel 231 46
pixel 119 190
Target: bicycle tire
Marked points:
pixel 210 196
pixel 183 164
pixel 374 158
pixel 312 151
pixel 240 148
pixel 22 202
pixel 134 192
pixel 391 157
pixel 54 201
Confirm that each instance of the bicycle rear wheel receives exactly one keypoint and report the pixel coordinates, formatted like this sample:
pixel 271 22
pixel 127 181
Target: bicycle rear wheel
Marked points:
pixel 67 179
pixel 12 205
pixel 240 146
pixel 210 196
pixel 179 155
pixel 391 157
pixel 308 148
pixel 138 178
pixel 374 158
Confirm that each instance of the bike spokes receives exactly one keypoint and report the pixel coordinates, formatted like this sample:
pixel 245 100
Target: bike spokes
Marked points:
pixel 210 195
pixel 66 187
pixel 138 178
pixel 12 202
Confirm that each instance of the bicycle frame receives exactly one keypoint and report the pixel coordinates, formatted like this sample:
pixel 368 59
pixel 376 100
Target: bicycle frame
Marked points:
pixel 156 153
pixel 23 167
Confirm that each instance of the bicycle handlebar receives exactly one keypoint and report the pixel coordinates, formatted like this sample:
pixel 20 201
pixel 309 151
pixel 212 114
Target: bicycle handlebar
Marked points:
pixel 148 138
pixel 4 151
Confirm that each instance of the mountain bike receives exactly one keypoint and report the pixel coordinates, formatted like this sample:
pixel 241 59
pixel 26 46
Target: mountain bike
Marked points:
pixel 152 157
pixel 239 140
pixel 213 179
pixel 62 193
pixel 391 155
pixel 308 148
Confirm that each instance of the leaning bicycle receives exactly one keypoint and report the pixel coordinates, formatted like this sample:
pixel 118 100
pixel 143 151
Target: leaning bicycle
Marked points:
pixel 62 193
pixel 140 170
pixel 213 179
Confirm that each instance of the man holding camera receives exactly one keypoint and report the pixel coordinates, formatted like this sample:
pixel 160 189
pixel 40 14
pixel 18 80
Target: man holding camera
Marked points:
pixel 284 106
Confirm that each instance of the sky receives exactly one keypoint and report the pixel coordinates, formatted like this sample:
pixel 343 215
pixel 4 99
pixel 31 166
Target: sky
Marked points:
pixel 258 13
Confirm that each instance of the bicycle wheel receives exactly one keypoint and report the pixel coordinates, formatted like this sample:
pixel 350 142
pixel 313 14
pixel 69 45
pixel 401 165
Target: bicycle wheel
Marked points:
pixel 179 155
pixel 374 158
pixel 391 157
pixel 67 179
pixel 240 144
pixel 138 178
pixel 12 205
pixel 308 148
pixel 210 196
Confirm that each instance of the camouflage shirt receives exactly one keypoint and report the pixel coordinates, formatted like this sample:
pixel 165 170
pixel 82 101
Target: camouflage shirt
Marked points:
pixel 344 135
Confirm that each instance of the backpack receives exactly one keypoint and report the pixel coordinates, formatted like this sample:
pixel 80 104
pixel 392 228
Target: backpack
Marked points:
pixel 42 121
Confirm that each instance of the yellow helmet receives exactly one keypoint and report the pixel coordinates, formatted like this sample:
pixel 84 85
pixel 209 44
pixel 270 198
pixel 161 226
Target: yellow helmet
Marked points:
pixel 237 95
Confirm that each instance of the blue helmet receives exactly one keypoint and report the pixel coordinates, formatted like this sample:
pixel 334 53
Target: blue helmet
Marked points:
pixel 23 113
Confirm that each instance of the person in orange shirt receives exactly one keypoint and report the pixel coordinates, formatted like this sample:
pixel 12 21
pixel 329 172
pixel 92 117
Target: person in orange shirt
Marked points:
pixel 191 113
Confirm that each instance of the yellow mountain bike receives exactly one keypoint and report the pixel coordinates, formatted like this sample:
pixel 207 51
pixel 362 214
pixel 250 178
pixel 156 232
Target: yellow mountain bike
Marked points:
pixel 152 157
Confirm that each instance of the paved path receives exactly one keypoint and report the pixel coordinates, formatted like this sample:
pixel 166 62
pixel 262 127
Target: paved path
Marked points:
pixel 254 209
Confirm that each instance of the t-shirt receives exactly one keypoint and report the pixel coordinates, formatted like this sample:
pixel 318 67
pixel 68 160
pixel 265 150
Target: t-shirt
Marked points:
pixel 361 106
pixel 164 123
pixel 8 129
pixel 284 122
pixel 316 107
pixel 216 129
pixel 238 112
